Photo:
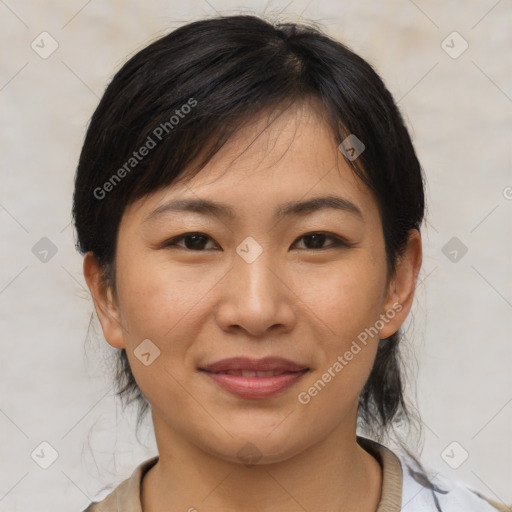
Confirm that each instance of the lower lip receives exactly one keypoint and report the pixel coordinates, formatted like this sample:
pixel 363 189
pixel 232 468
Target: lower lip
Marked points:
pixel 255 387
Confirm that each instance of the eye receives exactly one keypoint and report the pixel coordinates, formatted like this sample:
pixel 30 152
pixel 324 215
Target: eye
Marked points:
pixel 193 241
pixel 316 240
pixel 197 241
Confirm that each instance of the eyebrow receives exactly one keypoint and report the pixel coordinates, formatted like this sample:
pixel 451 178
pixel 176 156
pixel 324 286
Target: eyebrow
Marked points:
pixel 289 209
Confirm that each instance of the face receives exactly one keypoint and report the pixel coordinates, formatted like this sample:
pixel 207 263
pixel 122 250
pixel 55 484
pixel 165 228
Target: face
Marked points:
pixel 308 286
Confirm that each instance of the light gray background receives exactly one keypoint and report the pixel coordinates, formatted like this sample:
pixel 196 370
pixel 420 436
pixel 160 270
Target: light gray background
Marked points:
pixel 459 113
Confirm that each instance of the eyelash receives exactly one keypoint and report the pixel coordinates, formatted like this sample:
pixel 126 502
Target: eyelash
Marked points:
pixel 338 242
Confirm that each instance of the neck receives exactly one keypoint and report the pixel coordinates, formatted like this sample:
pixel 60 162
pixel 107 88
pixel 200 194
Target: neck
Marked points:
pixel 333 475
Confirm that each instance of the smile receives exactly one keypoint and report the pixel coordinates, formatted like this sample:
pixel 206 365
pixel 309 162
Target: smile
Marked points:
pixel 255 385
pixel 254 379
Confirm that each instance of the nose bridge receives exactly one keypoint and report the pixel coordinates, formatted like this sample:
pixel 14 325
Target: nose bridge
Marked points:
pixel 254 298
pixel 251 267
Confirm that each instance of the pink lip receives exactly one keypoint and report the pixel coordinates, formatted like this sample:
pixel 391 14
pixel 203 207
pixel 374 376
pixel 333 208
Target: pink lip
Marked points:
pixel 255 387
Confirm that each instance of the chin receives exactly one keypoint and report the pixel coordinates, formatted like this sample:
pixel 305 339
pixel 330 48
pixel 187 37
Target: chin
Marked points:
pixel 259 446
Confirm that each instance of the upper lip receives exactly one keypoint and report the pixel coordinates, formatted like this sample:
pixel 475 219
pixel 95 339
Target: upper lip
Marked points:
pixel 277 364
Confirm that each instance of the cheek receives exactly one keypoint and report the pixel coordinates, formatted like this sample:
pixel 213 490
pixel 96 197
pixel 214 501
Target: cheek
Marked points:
pixel 160 302
pixel 347 297
pixel 348 305
pixel 158 299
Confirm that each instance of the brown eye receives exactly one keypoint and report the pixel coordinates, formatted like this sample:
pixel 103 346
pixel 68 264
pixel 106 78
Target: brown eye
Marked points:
pixel 315 241
pixel 192 241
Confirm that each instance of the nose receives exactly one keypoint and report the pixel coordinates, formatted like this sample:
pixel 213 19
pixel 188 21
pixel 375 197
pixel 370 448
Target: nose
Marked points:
pixel 256 297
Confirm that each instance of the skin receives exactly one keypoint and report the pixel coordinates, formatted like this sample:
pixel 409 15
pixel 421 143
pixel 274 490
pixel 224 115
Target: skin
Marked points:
pixel 297 300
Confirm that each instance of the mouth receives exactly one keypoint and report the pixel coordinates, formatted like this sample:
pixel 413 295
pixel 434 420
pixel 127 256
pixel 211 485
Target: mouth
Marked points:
pixel 268 365
pixel 250 373
pixel 255 378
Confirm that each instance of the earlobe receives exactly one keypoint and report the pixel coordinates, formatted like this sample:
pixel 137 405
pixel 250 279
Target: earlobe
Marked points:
pixel 104 303
pixel 402 286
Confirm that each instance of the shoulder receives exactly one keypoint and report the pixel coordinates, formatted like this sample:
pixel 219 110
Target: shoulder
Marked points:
pixel 425 490
pixel 126 496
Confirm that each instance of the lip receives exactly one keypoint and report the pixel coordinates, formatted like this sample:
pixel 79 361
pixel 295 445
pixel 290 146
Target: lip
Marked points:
pixel 253 386
pixel 277 364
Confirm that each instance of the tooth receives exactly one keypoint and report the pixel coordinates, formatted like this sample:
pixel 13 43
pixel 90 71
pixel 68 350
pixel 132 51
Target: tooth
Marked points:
pixel 251 373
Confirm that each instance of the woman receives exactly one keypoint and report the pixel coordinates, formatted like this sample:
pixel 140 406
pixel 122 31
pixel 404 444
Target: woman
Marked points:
pixel 249 202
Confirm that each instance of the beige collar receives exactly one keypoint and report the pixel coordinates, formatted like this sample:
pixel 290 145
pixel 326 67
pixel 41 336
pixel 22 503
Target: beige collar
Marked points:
pixel 126 496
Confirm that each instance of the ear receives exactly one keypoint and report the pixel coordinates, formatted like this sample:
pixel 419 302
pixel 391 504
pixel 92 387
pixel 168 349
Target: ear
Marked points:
pixel 104 303
pixel 401 287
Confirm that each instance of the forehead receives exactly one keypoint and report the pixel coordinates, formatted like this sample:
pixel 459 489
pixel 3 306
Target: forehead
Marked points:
pixel 274 159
